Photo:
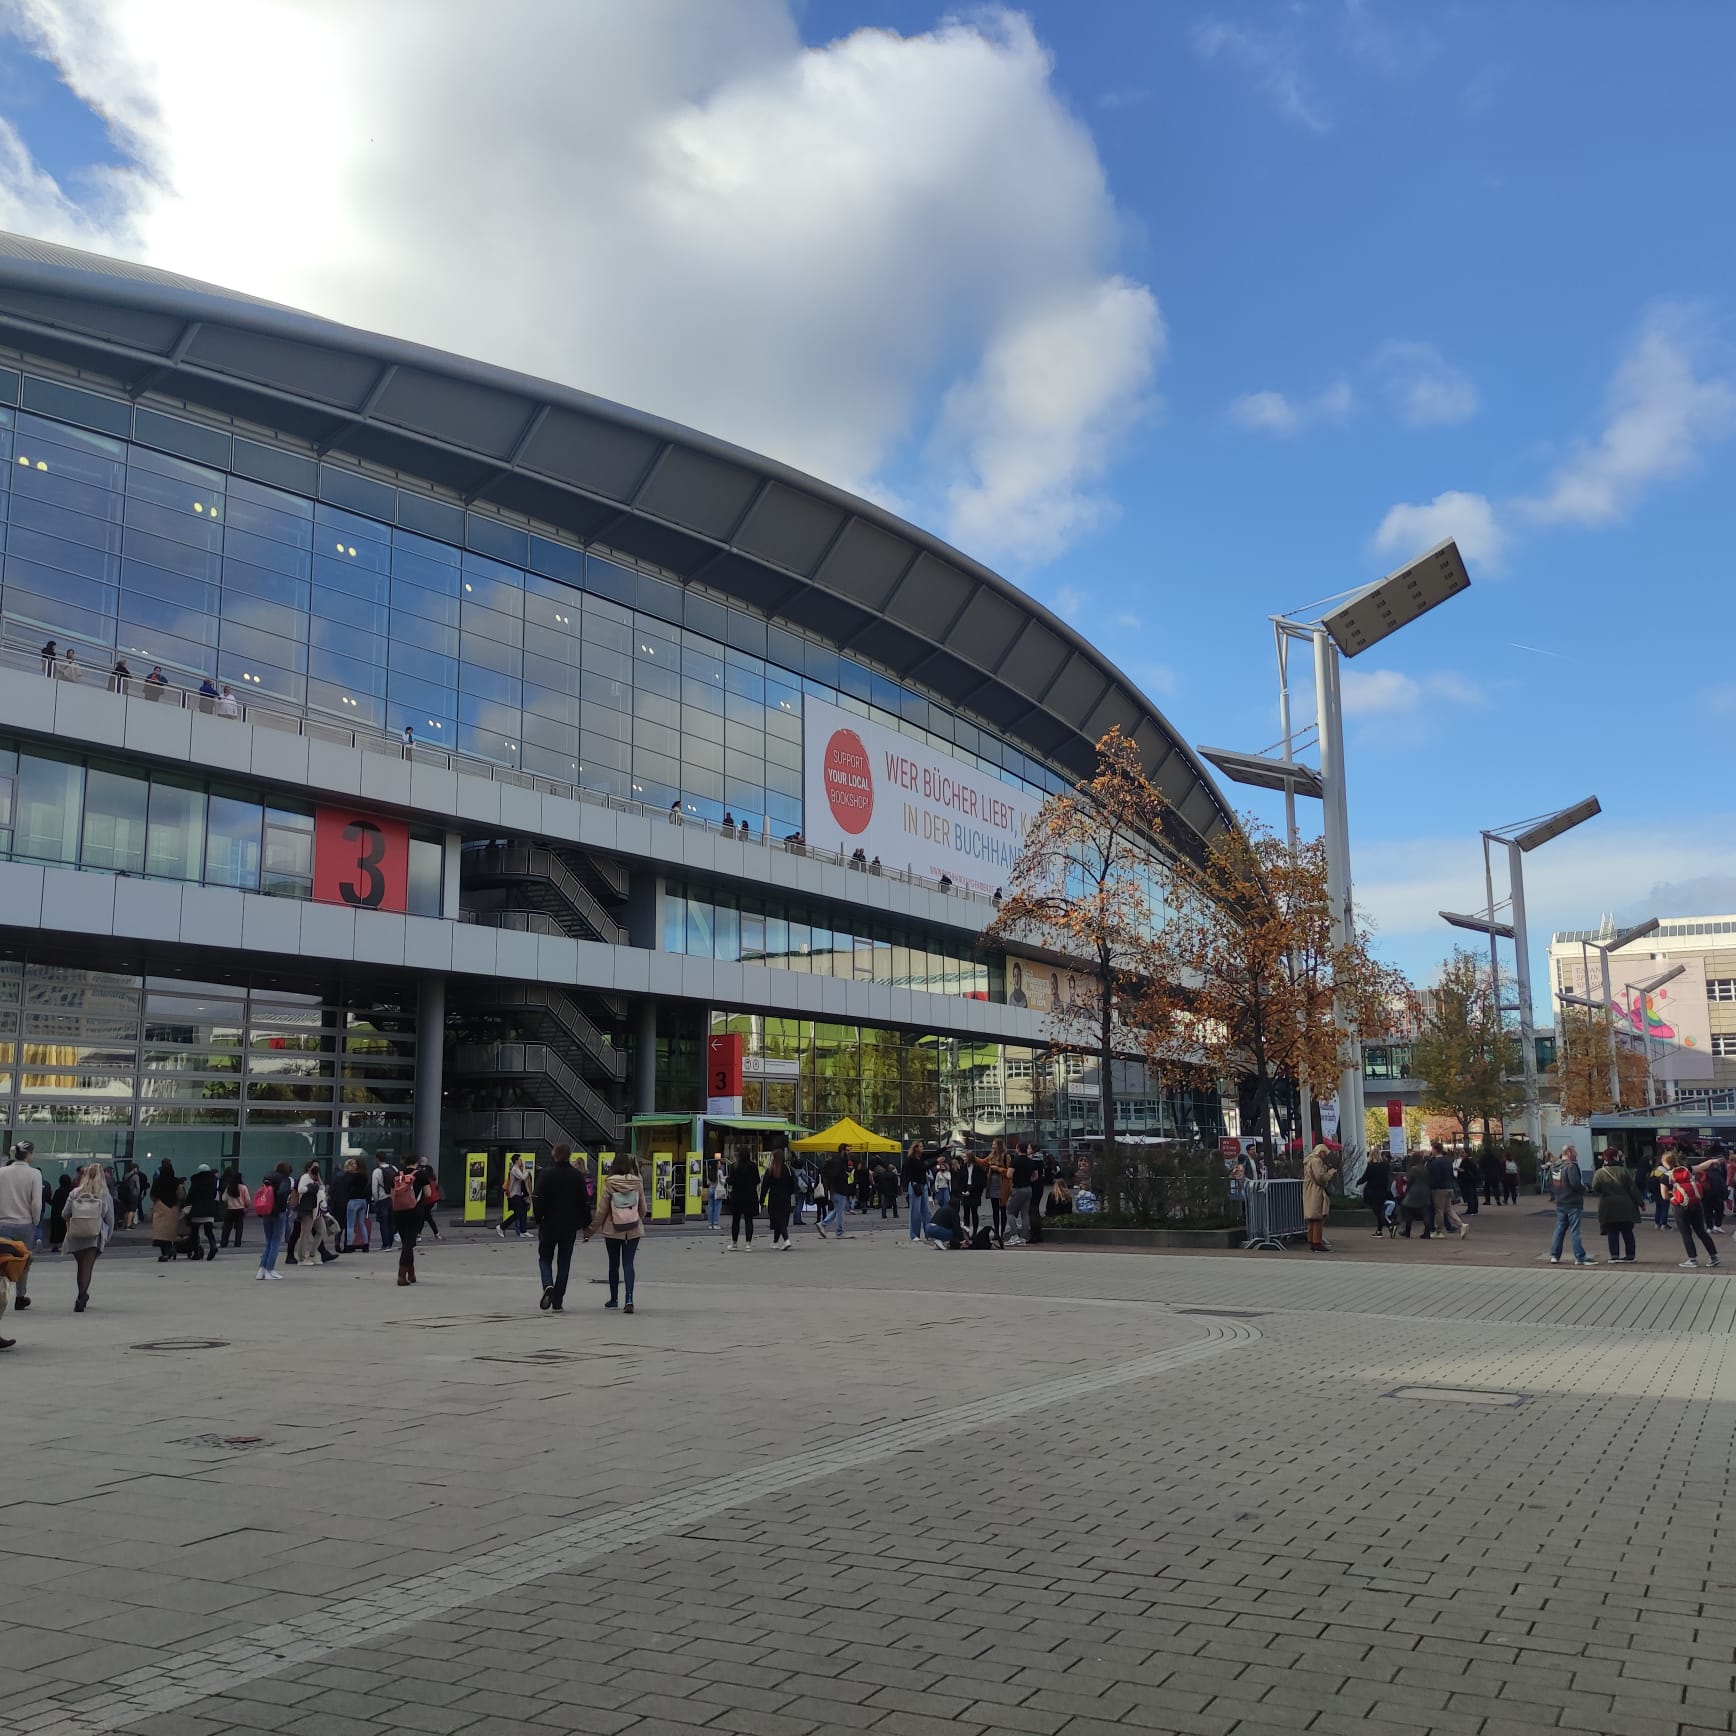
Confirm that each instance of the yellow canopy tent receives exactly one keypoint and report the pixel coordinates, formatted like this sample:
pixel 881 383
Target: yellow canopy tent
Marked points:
pixel 845 1133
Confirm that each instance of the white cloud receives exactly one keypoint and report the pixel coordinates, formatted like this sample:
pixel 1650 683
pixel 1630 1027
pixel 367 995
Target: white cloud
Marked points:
pixel 1409 529
pixel 1068 602
pixel 1159 680
pixel 1662 410
pixel 1131 622
pixel 1424 388
pixel 1272 59
pixel 1377 692
pixel 1273 413
pixel 671 203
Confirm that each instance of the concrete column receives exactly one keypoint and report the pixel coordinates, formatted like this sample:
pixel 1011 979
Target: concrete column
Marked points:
pixel 430 1066
pixel 645 1059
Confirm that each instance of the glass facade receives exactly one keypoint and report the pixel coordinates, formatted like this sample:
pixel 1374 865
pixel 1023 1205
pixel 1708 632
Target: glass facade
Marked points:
pixel 126 1065
pixel 919 1085
pixel 818 940
pixel 87 812
pixel 322 589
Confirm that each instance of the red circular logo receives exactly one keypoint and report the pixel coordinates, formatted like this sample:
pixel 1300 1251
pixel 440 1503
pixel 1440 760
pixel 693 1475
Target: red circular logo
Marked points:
pixel 849 782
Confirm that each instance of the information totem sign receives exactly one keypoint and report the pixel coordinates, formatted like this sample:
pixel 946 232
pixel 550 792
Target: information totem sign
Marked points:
pixel 695 1204
pixel 662 1184
pixel 723 1074
pixel 475 1187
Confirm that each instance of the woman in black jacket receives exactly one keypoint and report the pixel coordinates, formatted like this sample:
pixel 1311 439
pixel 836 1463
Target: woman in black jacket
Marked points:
pixel 1377 1191
pixel 777 1191
pixel 57 1211
pixel 743 1197
pixel 201 1205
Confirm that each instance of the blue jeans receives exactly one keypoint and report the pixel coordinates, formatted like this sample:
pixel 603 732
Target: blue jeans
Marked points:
pixel 273 1240
pixel 383 1217
pixel 942 1193
pixel 1661 1214
pixel 918 1213
pixel 714 1209
pixel 1567 1219
pixel 622 1253
pixel 835 1214
pixel 356 1222
pixel 938 1234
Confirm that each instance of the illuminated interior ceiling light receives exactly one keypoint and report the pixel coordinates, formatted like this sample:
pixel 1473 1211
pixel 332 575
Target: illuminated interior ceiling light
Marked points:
pixel 23 460
pixel 42 464
pixel 197 507
pixel 467 584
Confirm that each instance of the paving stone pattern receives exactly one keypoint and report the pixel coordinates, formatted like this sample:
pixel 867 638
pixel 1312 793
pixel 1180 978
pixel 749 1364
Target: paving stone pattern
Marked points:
pixel 870 1487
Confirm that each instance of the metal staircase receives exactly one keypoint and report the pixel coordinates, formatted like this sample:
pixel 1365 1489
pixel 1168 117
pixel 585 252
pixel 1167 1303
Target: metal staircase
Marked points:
pixel 541 881
pixel 547 1083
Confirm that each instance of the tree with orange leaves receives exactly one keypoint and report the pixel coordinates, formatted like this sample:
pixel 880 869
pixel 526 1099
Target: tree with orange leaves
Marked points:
pixel 1087 884
pixel 1251 974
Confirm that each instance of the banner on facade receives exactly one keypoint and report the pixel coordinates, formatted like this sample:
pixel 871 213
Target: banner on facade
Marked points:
pixel 360 859
pixel 1672 1023
pixel 866 787
pixel 1047 988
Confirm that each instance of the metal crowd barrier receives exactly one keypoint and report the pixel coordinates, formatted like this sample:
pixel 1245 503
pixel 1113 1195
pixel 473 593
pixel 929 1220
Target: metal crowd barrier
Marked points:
pixel 1274 1211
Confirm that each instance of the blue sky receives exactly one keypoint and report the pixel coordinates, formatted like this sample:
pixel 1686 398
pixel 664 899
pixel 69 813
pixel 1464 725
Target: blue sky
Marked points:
pixel 1321 264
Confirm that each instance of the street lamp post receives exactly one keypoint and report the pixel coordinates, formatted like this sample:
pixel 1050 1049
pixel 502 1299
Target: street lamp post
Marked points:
pixel 1603 949
pixel 1358 621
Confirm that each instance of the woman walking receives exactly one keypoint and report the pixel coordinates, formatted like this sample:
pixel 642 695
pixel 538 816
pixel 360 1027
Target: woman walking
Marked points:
pixel 517 1197
pixel 621 1217
pixel 1618 1207
pixel 743 1197
pixel 358 1219
pixel 202 1210
pixel 778 1192
pixel 271 1201
pixel 165 1211
pixel 233 1199
pixel 1317 1178
pixel 90 1221
pixel 408 1205
pixel 1377 1193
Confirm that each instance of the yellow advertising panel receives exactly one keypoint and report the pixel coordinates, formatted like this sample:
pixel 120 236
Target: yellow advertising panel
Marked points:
pixel 662 1184
pixel 475 1187
pixel 695 1205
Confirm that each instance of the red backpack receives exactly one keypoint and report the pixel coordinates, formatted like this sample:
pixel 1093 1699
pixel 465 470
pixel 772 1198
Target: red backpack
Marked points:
pixel 265 1200
pixel 404 1192
pixel 1685 1189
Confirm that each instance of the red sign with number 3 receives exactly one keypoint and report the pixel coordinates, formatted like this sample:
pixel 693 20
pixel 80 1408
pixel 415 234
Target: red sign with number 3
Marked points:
pixel 362 860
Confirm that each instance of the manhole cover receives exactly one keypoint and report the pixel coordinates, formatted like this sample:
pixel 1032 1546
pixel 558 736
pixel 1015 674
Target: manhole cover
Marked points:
pixel 1227 1313
pixel 182 1344
pixel 1463 1395
pixel 224 1443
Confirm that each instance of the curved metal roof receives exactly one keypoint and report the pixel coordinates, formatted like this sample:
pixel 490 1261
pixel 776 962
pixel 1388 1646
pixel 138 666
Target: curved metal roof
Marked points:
pixel 779 543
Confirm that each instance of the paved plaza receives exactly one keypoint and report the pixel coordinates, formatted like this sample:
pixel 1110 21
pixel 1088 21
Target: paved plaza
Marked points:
pixel 865 1486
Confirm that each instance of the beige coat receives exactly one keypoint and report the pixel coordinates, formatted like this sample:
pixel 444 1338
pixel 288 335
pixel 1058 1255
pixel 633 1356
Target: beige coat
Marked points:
pixel 613 1184
pixel 1317 1176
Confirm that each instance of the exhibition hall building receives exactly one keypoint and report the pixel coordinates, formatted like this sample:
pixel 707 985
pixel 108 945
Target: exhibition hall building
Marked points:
pixel 400 751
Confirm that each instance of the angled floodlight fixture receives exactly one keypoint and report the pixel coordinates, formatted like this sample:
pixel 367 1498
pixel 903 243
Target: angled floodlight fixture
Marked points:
pixel 1529 835
pixel 1264 773
pixel 1477 924
pixel 1377 611
pixel 1568 1000
pixel 1658 982
pixel 1639 931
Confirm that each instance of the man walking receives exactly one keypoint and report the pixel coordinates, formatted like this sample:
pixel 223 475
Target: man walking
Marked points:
pixel 21 1198
pixel 1569 1208
pixel 1441 1191
pixel 563 1209
pixel 915 1178
pixel 836 1176
pixel 380 1195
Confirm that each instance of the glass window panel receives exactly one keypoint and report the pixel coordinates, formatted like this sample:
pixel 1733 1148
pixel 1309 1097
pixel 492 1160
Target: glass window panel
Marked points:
pixel 782 782
pixel 411 601
pixel 232 842
pixel 426 547
pixel 658 737
pixel 350 609
pixel 350 580
pixel 699 752
pixel 244 643
pixel 699 927
pixel 699 700
pixel 87 594
pixel 438 702
pixel 488 744
pixel 259 551
pixel 499 589
pixel 799 955
pixel 549 672
pixel 114 821
pixel 55 490
pixel 558 615
pixel 600 751
pixel 430 635
pixel 603 624
pixel 183 660
pixel 249 611
pixel 549 762
pixel 252 676
pixel 427 877
pixel 73 557
pixel 50 455
pixel 558 707
pixel 490 624
pixel 726 932
pixel 656 767
pixel 240 579
pixel 423 665
pixel 601 720
pixel 268 536
pixel 481 652
pixel 175 556
pixel 487 687
pixel 198 491
pixel 347 536
pixel 341 702
pixel 424 573
pixel 748 799
pixel 288 843
pixel 140 579
pixel 562 738
pixel 78 527
pixel 488 714
pixel 650 645
pixel 654 708
pixel 48 804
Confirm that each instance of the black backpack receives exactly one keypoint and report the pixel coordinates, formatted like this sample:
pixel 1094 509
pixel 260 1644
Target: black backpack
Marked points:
pixel 981 1239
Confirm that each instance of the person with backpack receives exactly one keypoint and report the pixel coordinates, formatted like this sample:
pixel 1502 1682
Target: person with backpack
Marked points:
pixel 271 1200
pixel 743 1198
pixel 1688 1196
pixel 409 1207
pixel 233 1199
pixel 202 1210
pixel 1568 1185
pixel 380 1192
pixel 563 1209
pixel 621 1216
pixel 518 1196
pixel 778 1192
pixel 90 1221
